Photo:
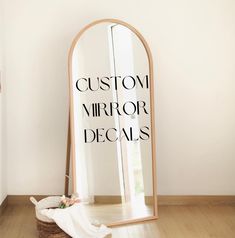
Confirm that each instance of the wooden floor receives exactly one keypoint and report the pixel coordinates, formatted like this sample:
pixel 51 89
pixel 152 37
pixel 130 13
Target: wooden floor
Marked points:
pixel 175 222
pixel 111 213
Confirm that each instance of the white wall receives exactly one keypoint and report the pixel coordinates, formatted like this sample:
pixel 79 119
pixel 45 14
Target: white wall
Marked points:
pixel 3 190
pixel 194 53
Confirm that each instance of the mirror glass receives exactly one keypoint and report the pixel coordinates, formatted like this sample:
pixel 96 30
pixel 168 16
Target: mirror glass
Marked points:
pixel 112 167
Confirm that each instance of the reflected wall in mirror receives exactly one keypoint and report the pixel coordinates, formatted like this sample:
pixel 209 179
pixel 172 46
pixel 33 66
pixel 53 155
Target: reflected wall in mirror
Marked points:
pixel 112 123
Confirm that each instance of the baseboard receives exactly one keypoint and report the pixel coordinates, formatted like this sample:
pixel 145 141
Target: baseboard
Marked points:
pixel 148 200
pixel 23 199
pixel 196 200
pixel 3 205
pixel 162 200
pixel 191 200
pixel 107 199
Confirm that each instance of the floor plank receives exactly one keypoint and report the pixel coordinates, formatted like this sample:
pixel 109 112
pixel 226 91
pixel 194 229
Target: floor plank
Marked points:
pixel 175 222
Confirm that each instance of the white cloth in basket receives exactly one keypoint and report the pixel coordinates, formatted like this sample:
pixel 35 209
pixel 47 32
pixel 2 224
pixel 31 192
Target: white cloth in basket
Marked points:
pixel 74 222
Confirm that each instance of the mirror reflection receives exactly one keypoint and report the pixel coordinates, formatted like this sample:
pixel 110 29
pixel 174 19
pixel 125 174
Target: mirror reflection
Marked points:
pixel 112 129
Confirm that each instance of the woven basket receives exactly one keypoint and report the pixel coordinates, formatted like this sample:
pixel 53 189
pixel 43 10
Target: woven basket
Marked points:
pixel 50 230
pixel 46 227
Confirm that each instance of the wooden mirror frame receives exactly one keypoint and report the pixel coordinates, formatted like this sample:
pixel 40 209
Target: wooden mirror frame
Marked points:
pixel 71 135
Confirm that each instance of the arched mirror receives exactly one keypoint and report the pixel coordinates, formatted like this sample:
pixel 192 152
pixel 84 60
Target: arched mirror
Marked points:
pixel 112 123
